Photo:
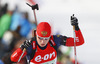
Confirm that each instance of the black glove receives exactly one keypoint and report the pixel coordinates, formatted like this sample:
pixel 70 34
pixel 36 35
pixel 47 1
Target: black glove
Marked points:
pixel 26 44
pixel 74 22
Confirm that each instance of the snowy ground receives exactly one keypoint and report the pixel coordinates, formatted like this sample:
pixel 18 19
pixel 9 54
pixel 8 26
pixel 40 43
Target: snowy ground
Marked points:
pixel 58 13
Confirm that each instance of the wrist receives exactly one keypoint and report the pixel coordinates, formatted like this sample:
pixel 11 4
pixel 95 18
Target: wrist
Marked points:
pixel 76 27
pixel 22 47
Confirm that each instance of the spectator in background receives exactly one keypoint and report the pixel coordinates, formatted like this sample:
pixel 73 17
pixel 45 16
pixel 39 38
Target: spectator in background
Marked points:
pixel 9 38
pixel 5 22
pixel 3 9
pixel 10 33
pixel 9 45
pixel 25 26
pixel 16 19
pixel 6 59
pixel 8 41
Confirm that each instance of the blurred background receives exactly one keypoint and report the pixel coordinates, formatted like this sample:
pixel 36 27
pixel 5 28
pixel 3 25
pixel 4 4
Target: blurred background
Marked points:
pixel 17 23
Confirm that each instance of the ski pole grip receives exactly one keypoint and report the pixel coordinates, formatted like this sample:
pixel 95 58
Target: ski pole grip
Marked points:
pixel 73 25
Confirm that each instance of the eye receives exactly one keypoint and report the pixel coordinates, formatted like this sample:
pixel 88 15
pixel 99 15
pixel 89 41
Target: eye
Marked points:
pixel 46 39
pixel 40 38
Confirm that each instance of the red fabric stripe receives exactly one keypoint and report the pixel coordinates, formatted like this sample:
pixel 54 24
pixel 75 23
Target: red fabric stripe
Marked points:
pixel 52 41
pixel 34 45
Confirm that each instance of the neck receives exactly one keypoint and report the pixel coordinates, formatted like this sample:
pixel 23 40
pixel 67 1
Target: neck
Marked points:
pixel 42 47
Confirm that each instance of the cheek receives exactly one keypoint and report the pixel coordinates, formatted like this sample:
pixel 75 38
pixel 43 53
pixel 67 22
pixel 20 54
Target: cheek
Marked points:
pixel 46 41
pixel 38 41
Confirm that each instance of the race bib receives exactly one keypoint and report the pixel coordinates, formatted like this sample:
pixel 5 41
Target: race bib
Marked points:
pixel 49 62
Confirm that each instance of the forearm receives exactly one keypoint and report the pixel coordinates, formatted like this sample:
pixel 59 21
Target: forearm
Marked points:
pixel 15 56
pixel 79 39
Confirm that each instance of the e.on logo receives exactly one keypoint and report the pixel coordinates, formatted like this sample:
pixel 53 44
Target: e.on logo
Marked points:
pixel 46 57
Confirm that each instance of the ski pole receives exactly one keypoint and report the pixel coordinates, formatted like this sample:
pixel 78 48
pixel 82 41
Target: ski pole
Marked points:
pixel 33 8
pixel 74 42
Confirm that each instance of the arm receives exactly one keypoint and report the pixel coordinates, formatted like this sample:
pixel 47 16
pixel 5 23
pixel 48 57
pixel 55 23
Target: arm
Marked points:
pixel 16 55
pixel 69 41
pixel 79 39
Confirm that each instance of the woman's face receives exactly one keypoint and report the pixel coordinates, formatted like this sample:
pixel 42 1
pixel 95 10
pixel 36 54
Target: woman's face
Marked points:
pixel 42 41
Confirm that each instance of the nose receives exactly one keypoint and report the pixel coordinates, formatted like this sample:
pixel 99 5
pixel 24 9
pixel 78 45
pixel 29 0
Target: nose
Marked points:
pixel 43 41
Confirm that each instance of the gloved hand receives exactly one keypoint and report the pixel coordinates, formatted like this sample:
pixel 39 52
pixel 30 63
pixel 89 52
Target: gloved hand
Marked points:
pixel 74 21
pixel 26 44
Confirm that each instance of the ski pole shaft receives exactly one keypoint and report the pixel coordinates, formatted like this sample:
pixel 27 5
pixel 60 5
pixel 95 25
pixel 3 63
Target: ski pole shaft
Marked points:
pixel 74 45
pixel 35 17
pixel 33 8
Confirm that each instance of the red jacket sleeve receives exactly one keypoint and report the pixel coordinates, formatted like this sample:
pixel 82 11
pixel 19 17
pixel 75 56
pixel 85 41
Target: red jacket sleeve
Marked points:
pixel 79 39
pixel 15 56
